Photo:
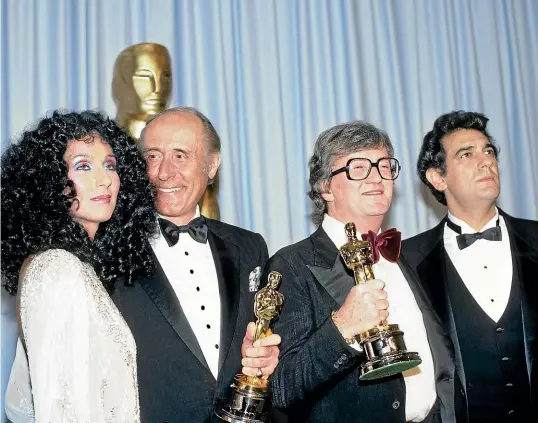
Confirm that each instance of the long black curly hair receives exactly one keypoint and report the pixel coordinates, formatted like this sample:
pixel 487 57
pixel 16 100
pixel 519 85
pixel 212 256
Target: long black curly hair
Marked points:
pixel 36 210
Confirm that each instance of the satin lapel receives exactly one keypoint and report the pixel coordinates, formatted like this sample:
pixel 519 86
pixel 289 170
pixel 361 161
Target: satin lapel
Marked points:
pixel 433 277
pixel 439 339
pixel 432 272
pixel 328 268
pixel 525 262
pixel 226 255
pixel 160 290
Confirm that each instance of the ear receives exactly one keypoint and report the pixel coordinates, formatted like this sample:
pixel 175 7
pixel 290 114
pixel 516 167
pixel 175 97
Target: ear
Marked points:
pixel 436 178
pixel 213 165
pixel 326 193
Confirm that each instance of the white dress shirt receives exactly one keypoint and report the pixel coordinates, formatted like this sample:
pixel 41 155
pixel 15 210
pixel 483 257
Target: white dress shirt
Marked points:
pixel 190 268
pixel 404 311
pixel 485 266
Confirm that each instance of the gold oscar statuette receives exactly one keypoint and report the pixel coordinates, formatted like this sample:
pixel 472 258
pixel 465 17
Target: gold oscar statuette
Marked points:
pixel 384 345
pixel 142 88
pixel 250 394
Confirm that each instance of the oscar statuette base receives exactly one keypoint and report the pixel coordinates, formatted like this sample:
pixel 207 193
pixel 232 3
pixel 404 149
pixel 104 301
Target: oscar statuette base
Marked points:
pixel 386 353
pixel 249 403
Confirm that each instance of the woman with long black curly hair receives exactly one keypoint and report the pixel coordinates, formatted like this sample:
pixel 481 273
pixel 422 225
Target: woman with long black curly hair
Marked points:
pixel 77 216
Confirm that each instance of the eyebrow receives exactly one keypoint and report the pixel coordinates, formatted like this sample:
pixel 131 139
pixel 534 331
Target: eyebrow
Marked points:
pixel 463 149
pixel 87 156
pixel 178 150
pixel 472 147
pixel 76 156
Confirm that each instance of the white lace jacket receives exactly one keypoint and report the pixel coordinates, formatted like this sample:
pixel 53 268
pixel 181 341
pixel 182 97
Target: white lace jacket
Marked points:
pixel 79 364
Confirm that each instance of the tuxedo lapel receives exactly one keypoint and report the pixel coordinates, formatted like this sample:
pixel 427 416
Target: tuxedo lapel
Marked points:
pixel 328 268
pixel 226 255
pixel 525 263
pixel 160 290
pixel 433 272
pixel 433 275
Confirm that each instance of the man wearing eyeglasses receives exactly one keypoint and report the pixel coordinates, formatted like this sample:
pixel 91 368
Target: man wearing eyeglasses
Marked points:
pixel 352 173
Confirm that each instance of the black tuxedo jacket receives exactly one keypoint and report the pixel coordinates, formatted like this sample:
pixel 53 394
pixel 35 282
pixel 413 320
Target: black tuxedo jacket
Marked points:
pixel 426 254
pixel 317 379
pixel 175 383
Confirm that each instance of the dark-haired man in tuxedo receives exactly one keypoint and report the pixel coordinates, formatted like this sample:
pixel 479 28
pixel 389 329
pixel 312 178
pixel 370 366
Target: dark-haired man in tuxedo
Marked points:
pixel 189 318
pixel 480 269
pixel 352 174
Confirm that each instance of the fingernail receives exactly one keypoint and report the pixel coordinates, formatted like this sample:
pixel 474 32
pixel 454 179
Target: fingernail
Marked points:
pixel 256 344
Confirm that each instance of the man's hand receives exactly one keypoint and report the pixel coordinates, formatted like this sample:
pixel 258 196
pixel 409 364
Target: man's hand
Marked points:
pixel 364 307
pixel 261 355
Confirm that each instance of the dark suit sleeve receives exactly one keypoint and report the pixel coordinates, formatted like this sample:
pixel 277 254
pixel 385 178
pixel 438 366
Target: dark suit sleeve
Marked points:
pixel 313 356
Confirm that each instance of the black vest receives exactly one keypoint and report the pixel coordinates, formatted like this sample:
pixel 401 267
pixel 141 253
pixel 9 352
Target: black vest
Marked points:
pixel 493 354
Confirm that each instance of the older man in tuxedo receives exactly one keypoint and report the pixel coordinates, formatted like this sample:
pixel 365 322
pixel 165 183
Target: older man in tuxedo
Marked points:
pixel 479 266
pixel 352 173
pixel 189 318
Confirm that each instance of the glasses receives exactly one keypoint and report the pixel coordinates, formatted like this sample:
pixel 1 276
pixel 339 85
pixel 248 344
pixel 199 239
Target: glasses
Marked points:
pixel 360 168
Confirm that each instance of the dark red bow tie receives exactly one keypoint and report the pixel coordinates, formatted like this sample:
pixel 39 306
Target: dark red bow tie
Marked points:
pixel 388 243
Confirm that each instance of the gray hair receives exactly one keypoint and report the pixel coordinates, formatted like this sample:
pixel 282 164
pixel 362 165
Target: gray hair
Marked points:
pixel 335 142
pixel 211 137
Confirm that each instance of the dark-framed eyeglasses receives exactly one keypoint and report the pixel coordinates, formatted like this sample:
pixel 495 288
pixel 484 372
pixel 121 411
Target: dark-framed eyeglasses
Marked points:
pixel 360 168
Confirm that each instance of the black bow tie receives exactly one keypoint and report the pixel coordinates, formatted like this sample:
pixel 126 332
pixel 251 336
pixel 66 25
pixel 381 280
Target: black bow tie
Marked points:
pixel 196 228
pixel 464 240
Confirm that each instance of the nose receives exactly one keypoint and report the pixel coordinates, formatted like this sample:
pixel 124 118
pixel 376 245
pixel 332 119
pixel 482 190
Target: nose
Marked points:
pixel 156 83
pixel 104 179
pixel 375 176
pixel 487 160
pixel 165 170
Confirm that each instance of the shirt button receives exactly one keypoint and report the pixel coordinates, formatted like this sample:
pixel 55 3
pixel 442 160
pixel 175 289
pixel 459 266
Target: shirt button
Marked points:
pixel 396 404
pixel 511 412
pixel 509 385
pixel 499 330
pixel 505 358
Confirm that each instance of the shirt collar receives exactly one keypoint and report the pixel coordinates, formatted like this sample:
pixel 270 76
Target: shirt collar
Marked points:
pixel 336 230
pixel 466 229
pixel 196 214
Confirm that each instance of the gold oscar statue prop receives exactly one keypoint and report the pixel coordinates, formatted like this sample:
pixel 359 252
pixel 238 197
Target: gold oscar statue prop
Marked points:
pixel 141 88
pixel 250 394
pixel 141 85
pixel 384 345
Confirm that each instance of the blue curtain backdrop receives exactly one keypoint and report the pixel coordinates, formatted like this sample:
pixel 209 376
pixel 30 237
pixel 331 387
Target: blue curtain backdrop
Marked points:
pixel 272 74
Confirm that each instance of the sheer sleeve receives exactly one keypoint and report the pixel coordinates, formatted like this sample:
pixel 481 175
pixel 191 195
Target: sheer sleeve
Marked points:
pixel 19 406
pixel 55 325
